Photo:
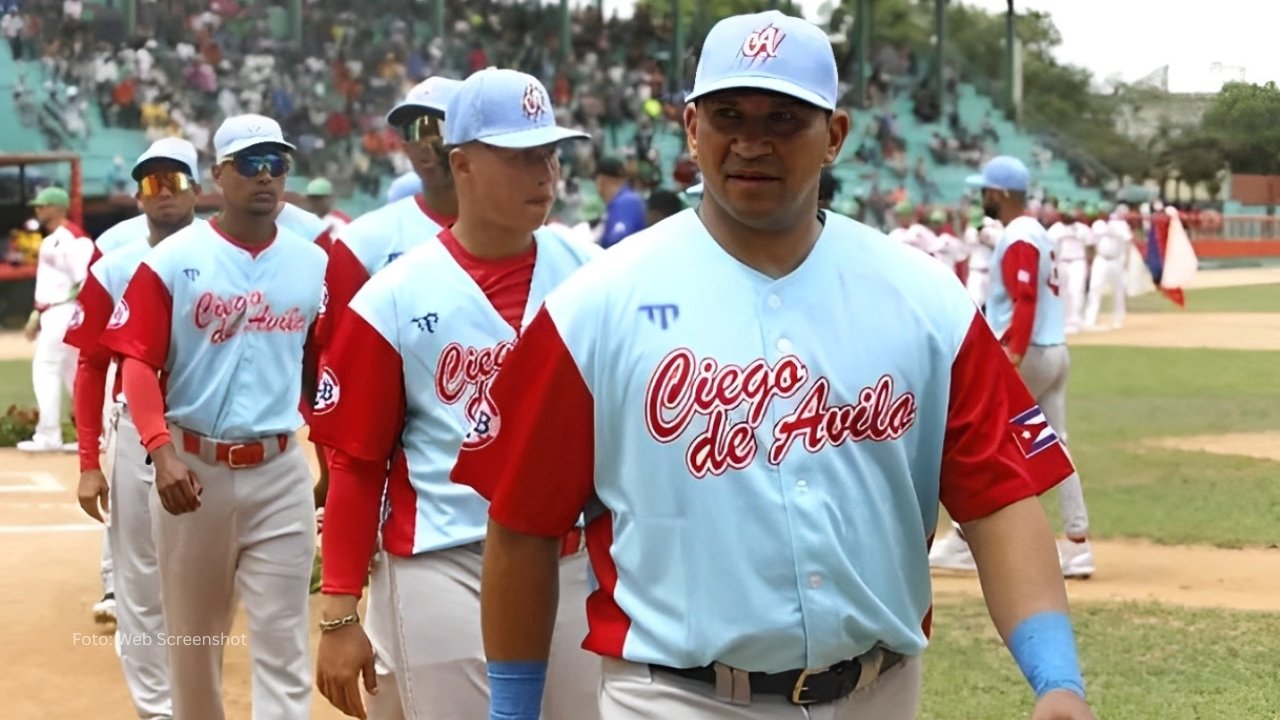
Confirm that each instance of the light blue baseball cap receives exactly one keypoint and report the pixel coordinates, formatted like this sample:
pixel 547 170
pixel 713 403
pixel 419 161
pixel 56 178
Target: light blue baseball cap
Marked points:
pixel 1002 173
pixel 768 51
pixel 503 108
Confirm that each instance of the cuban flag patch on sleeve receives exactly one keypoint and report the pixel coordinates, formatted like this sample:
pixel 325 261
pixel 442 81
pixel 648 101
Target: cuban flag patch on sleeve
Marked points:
pixel 1032 432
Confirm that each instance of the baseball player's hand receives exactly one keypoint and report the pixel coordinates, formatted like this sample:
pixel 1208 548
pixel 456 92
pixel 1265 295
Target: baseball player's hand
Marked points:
pixel 1062 705
pixel 343 656
pixel 32 328
pixel 178 487
pixel 92 493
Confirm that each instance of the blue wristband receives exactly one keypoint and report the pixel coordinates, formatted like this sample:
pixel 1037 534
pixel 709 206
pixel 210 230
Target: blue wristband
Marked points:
pixel 515 690
pixel 1045 650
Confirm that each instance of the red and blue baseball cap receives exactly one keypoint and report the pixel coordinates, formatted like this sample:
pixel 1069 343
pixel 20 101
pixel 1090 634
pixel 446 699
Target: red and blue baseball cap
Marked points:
pixel 1002 172
pixel 506 109
pixel 768 51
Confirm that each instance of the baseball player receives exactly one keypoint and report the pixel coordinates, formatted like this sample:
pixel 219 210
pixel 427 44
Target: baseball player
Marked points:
pixel 374 240
pixel 950 250
pixel 980 237
pixel 121 234
pixel 167 191
pixel 1071 237
pixel 912 233
pixel 223 310
pixel 1112 238
pixel 304 224
pixel 1025 311
pixel 759 499
pixel 405 379
pixel 63 264
pixel 320 203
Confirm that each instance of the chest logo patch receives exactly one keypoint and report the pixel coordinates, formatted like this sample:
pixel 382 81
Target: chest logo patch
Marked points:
pixel 465 375
pixel 734 401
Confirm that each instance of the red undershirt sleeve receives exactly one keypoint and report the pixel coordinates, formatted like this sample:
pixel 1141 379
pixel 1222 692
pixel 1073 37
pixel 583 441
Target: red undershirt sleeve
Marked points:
pixel 146 402
pixel 1020 269
pixel 89 399
pixel 352 512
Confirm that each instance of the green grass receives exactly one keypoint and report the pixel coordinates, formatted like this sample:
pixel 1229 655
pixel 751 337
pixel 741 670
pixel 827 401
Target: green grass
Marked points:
pixel 1141 662
pixel 1245 298
pixel 15 384
pixel 1121 396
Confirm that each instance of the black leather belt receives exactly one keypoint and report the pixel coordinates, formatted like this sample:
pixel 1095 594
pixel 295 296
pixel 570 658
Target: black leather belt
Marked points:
pixel 801 687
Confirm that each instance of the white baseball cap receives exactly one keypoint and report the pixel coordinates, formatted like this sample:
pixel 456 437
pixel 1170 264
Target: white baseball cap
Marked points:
pixel 506 109
pixel 431 96
pixel 768 51
pixel 245 131
pixel 170 148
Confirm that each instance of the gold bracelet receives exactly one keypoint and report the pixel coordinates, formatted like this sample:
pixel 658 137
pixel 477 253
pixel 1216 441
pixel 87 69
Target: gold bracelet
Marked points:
pixel 331 625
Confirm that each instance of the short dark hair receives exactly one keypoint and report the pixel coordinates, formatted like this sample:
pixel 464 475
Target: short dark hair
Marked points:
pixel 611 167
pixel 828 186
pixel 665 203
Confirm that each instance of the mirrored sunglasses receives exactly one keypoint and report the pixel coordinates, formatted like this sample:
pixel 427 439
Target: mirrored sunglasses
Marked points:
pixel 153 183
pixel 423 129
pixel 250 166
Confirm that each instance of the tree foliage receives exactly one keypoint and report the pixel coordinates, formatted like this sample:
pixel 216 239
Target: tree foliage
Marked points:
pixel 1244 120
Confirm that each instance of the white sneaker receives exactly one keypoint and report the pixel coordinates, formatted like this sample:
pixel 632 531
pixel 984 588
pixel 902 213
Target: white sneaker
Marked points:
pixel 952 553
pixel 1076 559
pixel 104 611
pixel 41 444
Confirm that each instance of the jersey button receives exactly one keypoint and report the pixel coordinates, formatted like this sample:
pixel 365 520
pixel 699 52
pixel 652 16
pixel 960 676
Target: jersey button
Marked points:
pixel 784 345
pixel 774 301
pixel 815 581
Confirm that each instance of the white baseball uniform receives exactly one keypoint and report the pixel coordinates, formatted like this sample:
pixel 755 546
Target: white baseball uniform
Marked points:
pixel 981 241
pixel 139 620
pixel 919 237
pixel 1112 239
pixel 303 223
pixel 122 233
pixel 368 244
pixel 1070 241
pixel 61 269
pixel 762 484
pixel 227 325
pixel 404 380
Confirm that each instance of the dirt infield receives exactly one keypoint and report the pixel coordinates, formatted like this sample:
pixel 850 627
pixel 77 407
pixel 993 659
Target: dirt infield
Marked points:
pixel 1223 331
pixel 1261 445
pixel 15 347
pixel 49 557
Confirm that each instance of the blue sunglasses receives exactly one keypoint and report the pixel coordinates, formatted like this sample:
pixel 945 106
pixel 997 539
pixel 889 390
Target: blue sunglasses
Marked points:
pixel 251 166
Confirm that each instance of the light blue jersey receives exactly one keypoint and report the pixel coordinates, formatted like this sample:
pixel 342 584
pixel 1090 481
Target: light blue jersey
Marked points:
pixel 1050 321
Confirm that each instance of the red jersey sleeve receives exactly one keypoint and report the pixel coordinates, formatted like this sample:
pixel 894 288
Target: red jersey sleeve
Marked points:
pixel 142 322
pixel 359 406
pixel 998 448
pixel 343 278
pixel 352 511
pixel 538 473
pixel 93 314
pixel 89 397
pixel 1020 269
pixel 325 241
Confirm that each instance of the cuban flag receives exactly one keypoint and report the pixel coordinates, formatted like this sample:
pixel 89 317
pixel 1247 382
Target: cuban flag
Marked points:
pixel 1032 432
pixel 1170 256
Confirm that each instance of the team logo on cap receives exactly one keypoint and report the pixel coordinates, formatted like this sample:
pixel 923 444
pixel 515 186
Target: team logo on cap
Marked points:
pixel 763 43
pixel 534 102
pixel 327 392
pixel 119 316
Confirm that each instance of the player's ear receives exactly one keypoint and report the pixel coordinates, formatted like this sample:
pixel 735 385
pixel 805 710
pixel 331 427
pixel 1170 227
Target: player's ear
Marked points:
pixel 691 129
pixel 459 163
pixel 837 132
pixel 216 172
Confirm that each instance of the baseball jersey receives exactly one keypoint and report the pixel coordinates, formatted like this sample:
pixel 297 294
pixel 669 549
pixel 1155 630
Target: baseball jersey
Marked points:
pixel 226 325
pixel 1049 326
pixel 1068 241
pixel 121 234
pixel 1112 238
pixel 429 344
pixel 300 222
pixel 62 266
pixel 368 244
pixel 981 242
pixel 918 237
pixel 760 460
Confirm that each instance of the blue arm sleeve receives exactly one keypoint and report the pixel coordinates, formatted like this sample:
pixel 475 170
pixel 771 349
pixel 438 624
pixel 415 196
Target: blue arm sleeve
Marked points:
pixel 1045 649
pixel 515 690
